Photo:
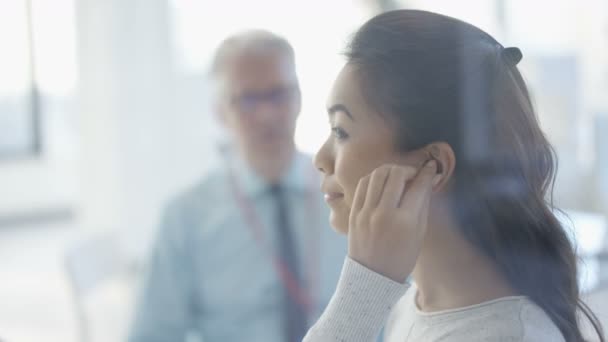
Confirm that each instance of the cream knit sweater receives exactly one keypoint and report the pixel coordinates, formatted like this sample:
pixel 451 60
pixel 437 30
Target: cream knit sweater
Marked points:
pixel 365 302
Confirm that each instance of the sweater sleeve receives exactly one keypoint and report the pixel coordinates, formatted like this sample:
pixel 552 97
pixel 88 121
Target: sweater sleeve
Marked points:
pixel 359 307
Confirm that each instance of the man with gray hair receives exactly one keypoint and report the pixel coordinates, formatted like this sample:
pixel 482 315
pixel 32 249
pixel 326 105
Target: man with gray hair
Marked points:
pixel 246 254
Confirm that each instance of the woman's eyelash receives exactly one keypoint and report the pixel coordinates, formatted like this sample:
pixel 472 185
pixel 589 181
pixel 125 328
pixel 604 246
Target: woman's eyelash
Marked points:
pixel 339 133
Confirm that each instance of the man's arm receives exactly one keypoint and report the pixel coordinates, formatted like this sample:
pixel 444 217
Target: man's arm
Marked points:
pixel 162 313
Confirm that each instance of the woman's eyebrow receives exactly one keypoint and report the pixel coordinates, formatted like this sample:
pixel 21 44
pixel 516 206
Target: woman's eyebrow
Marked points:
pixel 339 108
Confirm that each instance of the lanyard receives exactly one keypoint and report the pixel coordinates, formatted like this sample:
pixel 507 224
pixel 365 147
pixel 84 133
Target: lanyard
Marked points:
pixel 295 290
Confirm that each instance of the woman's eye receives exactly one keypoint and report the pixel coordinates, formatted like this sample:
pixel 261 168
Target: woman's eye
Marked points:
pixel 339 133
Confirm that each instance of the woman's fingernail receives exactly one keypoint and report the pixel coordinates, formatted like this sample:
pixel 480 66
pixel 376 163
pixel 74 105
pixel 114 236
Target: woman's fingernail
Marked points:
pixel 431 164
pixel 436 180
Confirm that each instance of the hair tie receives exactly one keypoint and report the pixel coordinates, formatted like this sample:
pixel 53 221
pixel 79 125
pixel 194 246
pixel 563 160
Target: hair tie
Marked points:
pixel 512 55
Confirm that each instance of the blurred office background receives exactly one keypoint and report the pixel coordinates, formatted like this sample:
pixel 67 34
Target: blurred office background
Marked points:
pixel 104 115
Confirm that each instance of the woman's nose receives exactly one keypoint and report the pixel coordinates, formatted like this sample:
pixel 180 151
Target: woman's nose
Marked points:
pixel 323 159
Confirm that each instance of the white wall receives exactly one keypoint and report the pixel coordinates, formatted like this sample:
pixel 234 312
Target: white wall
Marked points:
pixel 35 185
pixel 145 131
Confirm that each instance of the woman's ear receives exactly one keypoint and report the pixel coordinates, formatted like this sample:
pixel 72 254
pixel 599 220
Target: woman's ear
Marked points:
pixel 443 154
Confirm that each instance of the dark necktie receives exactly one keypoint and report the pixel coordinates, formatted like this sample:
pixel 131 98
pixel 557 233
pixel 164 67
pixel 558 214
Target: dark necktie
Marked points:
pixel 295 317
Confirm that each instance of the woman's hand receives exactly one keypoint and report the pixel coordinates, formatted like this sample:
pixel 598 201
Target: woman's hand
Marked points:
pixel 388 220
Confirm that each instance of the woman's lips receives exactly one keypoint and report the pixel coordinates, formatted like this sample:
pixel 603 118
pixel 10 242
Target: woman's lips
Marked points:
pixel 332 196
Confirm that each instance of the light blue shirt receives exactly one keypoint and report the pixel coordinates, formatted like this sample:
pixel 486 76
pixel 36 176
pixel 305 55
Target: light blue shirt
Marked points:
pixel 208 274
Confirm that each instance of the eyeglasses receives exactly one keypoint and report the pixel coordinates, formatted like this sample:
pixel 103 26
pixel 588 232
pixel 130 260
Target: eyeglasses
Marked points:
pixel 278 97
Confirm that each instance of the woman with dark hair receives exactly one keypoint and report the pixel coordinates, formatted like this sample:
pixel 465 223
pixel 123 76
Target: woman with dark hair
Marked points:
pixel 437 169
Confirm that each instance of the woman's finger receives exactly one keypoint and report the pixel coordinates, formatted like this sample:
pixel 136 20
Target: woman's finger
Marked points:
pixel 376 186
pixel 418 194
pixel 360 192
pixel 395 185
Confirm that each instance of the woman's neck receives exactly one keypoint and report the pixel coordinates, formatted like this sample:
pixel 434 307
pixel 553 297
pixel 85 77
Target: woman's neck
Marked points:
pixel 451 273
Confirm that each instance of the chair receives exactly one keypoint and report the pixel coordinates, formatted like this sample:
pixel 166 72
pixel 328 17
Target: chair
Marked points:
pixel 89 265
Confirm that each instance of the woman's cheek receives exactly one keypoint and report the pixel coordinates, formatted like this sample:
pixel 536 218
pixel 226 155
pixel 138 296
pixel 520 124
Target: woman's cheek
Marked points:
pixel 349 182
pixel 348 200
pixel 349 193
